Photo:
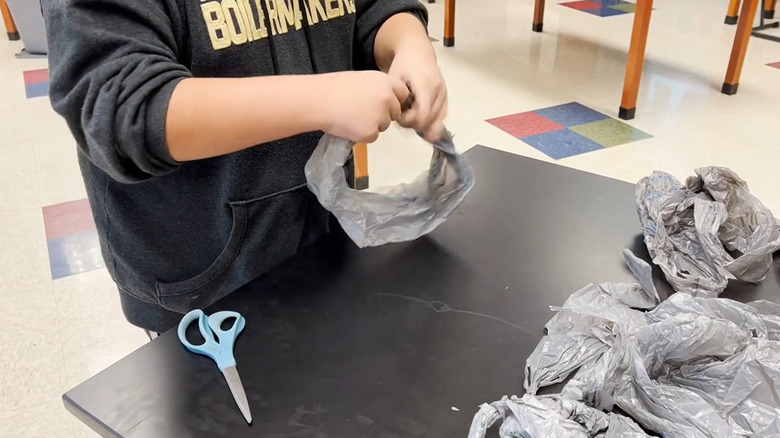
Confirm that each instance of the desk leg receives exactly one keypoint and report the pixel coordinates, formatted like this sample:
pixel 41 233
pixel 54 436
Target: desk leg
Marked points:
pixel 739 49
pixel 733 12
pixel 769 9
pixel 360 152
pixel 8 20
pixel 636 59
pixel 538 16
pixel 449 23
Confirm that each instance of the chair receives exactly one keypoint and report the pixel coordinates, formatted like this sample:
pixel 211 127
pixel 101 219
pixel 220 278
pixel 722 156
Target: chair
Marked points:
pixel 732 14
pixel 8 20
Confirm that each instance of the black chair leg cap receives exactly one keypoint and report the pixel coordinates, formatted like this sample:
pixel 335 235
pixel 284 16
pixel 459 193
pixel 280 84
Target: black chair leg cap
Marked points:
pixel 449 42
pixel 537 27
pixel 729 89
pixel 731 20
pixel 627 114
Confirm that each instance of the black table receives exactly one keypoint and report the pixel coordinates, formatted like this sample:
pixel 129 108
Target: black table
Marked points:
pixel 400 341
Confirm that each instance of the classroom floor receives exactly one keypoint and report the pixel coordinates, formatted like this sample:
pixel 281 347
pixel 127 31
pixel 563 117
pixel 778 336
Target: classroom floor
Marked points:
pixel 552 96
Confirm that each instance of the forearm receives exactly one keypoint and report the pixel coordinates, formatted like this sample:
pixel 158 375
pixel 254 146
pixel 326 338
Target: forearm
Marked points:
pixel 399 31
pixel 208 117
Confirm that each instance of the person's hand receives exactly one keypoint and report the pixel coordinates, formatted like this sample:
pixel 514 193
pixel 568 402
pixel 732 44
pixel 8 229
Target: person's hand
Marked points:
pixel 416 66
pixel 360 105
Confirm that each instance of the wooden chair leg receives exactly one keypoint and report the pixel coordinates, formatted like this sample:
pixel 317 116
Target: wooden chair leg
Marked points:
pixel 360 152
pixel 739 49
pixel 636 59
pixel 769 9
pixel 732 15
pixel 538 16
pixel 449 23
pixel 8 20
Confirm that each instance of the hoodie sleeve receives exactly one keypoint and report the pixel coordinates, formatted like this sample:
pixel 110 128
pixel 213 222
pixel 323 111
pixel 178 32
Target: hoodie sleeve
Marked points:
pixel 113 67
pixel 371 15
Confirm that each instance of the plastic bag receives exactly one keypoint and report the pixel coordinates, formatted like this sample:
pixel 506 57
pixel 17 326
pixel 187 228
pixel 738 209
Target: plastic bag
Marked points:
pixel 745 388
pixel 706 232
pixel 586 327
pixel 550 416
pixel 394 214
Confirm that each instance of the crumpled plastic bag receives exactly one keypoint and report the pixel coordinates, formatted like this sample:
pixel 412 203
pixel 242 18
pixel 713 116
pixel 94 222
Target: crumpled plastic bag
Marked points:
pixel 585 327
pixel 747 316
pixel 394 214
pixel 691 367
pixel 550 416
pixel 708 231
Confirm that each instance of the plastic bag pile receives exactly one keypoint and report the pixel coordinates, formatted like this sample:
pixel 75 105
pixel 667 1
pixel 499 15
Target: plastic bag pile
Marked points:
pixel 708 231
pixel 392 214
pixel 692 366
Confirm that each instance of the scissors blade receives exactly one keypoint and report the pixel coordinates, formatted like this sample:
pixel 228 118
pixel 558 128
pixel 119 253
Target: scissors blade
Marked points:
pixel 237 389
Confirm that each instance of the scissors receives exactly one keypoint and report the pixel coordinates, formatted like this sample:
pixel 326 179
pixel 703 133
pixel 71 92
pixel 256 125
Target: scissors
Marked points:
pixel 218 346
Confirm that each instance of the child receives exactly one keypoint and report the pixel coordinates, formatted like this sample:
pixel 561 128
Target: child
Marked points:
pixel 194 120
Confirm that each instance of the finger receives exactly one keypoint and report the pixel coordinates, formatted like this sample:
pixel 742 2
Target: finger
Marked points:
pixel 423 100
pixel 400 89
pixel 395 110
pixel 435 131
pixel 438 102
pixel 407 118
pixel 439 110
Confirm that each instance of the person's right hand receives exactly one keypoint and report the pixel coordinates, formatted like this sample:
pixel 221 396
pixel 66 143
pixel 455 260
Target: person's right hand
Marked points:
pixel 361 104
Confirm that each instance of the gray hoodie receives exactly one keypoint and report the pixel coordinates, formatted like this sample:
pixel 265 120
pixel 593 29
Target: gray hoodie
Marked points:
pixel 178 236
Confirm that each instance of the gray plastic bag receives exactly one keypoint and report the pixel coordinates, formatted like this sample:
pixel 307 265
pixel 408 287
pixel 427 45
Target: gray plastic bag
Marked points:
pixel 394 214
pixel 550 416
pixel 706 232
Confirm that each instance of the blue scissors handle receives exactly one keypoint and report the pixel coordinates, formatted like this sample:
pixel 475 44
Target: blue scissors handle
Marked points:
pixel 218 343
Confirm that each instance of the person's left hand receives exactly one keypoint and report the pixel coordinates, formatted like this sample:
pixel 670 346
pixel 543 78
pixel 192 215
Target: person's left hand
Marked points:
pixel 415 65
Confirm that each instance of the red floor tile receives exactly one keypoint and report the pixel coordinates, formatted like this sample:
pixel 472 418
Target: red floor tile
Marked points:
pixel 67 219
pixel 525 124
pixel 36 76
pixel 583 5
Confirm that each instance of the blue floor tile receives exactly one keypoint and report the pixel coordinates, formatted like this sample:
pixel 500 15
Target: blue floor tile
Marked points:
pixel 571 114
pixel 562 144
pixel 75 254
pixel 606 11
pixel 39 89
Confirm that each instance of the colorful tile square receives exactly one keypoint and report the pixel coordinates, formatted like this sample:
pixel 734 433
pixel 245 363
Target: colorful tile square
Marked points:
pixel 525 124
pixel 610 132
pixel 571 114
pixel 36 83
pixel 602 8
pixel 562 144
pixel 72 239
pixel 74 254
pixel 567 130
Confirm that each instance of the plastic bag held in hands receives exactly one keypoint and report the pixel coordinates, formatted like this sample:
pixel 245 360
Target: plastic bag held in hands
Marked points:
pixel 394 214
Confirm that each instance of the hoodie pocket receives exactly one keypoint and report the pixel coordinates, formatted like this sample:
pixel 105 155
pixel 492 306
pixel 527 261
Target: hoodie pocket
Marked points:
pixel 265 231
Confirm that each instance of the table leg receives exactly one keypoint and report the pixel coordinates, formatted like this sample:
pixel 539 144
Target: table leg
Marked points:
pixel 360 152
pixel 769 9
pixel 733 12
pixel 636 59
pixel 739 49
pixel 8 20
pixel 538 16
pixel 449 23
